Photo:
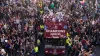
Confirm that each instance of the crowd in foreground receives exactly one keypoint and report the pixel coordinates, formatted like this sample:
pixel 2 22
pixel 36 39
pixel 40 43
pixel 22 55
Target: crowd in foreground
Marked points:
pixel 19 25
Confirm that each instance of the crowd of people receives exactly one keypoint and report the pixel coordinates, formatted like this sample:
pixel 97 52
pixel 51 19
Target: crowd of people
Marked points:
pixel 20 21
pixel 17 30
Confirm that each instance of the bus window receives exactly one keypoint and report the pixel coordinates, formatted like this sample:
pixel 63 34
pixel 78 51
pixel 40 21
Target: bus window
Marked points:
pixel 48 41
pixel 58 42
pixel 55 42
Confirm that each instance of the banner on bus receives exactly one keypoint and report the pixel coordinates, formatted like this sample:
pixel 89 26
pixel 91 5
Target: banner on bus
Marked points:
pixel 55 33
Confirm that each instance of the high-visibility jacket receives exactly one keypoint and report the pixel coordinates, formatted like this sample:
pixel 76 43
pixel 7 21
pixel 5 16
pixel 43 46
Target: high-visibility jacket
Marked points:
pixel 67 34
pixel 42 26
pixel 38 42
pixel 68 41
pixel 41 11
pixel 36 49
pixel 70 44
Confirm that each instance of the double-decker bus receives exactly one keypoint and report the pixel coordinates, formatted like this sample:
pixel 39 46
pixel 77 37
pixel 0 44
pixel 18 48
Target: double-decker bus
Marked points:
pixel 54 36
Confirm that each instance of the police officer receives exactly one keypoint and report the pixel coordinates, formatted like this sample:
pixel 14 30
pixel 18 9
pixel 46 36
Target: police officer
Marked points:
pixel 38 43
pixel 36 50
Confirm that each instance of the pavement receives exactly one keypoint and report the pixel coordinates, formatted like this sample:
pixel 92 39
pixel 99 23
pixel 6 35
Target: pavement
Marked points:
pixel 41 51
pixel 97 51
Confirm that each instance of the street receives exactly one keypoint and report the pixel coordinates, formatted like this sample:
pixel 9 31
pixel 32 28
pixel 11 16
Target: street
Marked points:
pixel 97 51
